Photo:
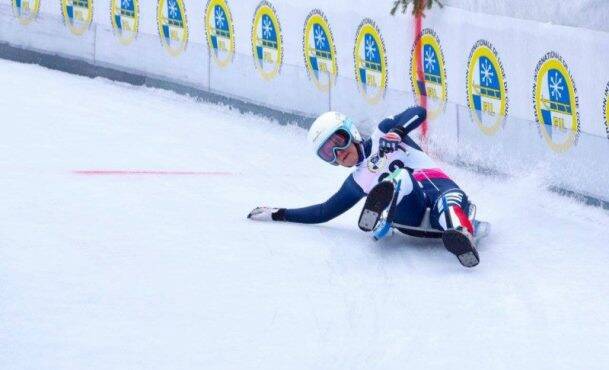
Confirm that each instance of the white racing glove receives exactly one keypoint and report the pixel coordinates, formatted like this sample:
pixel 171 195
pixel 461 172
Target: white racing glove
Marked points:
pixel 267 214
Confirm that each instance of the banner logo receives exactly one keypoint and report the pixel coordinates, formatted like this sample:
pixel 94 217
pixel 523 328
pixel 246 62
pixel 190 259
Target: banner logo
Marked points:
pixel 267 42
pixel 555 102
pixel 486 88
pixel 434 73
pixel 370 62
pixel 320 51
pixel 125 16
pixel 77 14
pixel 220 32
pixel 606 109
pixel 173 26
pixel 26 10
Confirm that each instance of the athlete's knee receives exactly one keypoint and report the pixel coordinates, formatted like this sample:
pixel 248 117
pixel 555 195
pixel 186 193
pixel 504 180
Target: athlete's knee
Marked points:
pixel 451 211
pixel 403 181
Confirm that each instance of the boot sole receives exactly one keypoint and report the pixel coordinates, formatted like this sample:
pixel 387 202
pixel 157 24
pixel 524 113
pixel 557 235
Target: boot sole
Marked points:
pixel 461 246
pixel 377 201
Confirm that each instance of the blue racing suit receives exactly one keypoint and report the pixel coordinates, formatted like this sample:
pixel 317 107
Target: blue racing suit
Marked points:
pixel 425 184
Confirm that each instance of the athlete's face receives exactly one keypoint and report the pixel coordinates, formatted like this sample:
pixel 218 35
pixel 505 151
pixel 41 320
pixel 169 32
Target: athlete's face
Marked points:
pixel 347 157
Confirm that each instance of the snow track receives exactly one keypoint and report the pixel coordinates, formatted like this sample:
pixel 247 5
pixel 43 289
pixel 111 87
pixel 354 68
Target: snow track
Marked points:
pixel 163 271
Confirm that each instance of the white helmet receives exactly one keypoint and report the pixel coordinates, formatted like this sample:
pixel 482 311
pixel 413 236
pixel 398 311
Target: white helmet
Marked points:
pixel 324 128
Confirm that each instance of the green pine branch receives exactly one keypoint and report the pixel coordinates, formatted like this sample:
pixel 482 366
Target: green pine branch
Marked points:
pixel 418 8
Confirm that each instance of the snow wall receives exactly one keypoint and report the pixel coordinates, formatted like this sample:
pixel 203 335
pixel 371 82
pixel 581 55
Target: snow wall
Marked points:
pixel 504 94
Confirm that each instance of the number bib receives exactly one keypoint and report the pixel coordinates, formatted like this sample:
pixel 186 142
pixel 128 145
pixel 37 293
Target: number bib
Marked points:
pixel 375 168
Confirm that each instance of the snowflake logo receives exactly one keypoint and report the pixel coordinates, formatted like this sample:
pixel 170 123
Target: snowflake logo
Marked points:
pixel 487 73
pixel 556 86
pixel 320 38
pixel 370 47
pixel 430 60
pixel 219 18
pixel 173 9
pixel 267 27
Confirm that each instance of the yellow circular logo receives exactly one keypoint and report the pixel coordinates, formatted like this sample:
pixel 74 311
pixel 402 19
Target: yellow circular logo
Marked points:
pixel 173 26
pixel 486 88
pixel 320 51
pixel 267 42
pixel 370 62
pixel 220 32
pixel 26 10
pixel 556 106
pixel 606 109
pixel 78 15
pixel 125 16
pixel 430 81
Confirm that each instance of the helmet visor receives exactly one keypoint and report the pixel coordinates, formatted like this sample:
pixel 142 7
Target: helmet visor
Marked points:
pixel 337 141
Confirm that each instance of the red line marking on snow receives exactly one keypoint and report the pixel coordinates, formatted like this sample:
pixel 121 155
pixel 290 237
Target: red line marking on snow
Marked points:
pixel 148 172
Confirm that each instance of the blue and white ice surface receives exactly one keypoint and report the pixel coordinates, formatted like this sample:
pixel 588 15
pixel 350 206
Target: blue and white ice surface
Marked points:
pixel 166 272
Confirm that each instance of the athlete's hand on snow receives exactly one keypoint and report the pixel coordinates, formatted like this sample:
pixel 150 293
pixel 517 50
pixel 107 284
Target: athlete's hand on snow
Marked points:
pixel 390 142
pixel 266 214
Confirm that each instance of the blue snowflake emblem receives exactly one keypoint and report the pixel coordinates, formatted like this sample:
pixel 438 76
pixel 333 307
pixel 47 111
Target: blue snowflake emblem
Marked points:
pixel 556 86
pixel 370 47
pixel 267 27
pixel 430 60
pixel 173 8
pixel 487 73
pixel 219 18
pixel 320 38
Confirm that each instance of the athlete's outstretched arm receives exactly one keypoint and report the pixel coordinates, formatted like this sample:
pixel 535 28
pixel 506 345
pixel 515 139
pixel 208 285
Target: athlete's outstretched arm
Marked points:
pixel 397 128
pixel 348 195
pixel 406 122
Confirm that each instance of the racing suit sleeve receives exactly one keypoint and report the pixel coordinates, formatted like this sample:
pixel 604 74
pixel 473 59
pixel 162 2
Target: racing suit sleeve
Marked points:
pixel 405 122
pixel 347 196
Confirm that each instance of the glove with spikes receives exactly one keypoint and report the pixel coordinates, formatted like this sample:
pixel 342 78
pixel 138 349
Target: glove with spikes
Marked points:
pixel 267 214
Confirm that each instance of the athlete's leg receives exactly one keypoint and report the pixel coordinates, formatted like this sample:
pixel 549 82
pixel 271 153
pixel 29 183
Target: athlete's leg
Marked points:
pixel 450 214
pixel 451 211
pixel 411 203
pixel 399 197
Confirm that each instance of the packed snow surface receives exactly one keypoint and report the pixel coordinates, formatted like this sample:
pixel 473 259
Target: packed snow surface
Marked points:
pixel 163 271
